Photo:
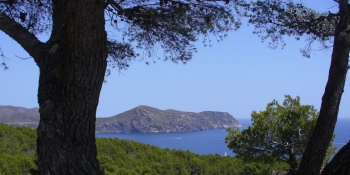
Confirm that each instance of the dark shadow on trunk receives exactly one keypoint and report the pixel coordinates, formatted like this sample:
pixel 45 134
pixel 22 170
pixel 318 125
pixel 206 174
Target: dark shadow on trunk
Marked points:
pixel 71 77
pixel 292 161
pixel 316 149
pixel 340 164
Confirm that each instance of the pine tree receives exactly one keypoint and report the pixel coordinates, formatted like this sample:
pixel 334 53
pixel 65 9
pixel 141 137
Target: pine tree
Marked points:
pixel 73 62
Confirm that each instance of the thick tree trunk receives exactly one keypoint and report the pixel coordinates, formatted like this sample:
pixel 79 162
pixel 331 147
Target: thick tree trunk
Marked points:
pixel 317 147
pixel 340 164
pixel 71 77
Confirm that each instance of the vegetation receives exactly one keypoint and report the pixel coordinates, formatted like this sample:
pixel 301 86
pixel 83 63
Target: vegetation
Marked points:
pixel 275 19
pixel 123 157
pixel 17 150
pixel 74 61
pixel 279 132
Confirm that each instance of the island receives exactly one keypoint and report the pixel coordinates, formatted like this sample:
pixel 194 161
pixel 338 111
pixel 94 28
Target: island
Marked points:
pixel 148 119
pixel 139 119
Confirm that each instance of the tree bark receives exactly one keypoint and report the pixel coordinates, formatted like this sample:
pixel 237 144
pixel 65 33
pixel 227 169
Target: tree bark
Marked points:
pixel 21 35
pixel 340 164
pixel 292 161
pixel 322 135
pixel 71 76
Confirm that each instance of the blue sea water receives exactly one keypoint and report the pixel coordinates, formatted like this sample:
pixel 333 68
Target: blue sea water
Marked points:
pixel 342 132
pixel 210 141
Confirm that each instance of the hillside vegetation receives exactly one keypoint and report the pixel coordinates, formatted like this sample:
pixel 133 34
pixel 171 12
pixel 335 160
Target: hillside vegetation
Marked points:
pixel 124 157
pixel 17 149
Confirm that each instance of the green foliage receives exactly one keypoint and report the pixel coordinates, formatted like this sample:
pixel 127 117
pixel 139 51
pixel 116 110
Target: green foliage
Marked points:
pixel 125 157
pixel 17 150
pixel 129 157
pixel 280 132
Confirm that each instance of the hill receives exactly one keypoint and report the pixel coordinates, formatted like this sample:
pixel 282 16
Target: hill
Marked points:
pixel 149 119
pixel 116 156
pixel 139 119
pixel 19 116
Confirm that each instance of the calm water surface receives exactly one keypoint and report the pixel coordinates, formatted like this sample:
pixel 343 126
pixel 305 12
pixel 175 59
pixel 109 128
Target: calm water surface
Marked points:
pixel 211 141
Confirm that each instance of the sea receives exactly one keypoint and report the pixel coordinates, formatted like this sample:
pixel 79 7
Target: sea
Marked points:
pixel 210 141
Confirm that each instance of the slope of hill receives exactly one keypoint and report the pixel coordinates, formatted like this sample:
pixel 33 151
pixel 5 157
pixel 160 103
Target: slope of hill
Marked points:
pixel 149 119
pixel 139 119
pixel 19 116
pixel 116 156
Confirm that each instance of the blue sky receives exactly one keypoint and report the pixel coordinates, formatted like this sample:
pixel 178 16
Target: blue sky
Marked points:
pixel 237 75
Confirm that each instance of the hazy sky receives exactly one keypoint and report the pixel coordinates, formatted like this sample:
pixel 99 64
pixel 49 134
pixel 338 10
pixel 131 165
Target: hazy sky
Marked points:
pixel 237 75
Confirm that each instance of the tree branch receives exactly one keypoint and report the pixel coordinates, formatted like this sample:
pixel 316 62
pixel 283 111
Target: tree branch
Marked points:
pixel 3 59
pixel 27 40
pixel 115 5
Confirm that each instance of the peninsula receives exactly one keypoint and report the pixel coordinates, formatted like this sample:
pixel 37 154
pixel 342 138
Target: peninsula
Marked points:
pixel 139 119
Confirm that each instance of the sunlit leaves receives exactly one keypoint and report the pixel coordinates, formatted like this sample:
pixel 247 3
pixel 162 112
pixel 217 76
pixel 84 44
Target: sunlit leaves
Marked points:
pixel 281 131
pixel 18 144
pixel 17 149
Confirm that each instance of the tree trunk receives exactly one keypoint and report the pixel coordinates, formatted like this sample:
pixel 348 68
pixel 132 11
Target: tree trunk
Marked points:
pixel 292 161
pixel 71 76
pixel 340 164
pixel 322 135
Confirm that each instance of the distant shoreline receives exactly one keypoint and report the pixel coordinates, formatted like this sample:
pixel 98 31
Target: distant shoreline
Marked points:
pixel 123 132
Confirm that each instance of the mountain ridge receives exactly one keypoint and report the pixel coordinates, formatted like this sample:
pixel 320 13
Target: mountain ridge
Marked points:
pixel 139 119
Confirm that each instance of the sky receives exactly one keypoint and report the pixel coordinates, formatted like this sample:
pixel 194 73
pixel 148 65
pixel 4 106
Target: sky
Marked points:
pixel 237 75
